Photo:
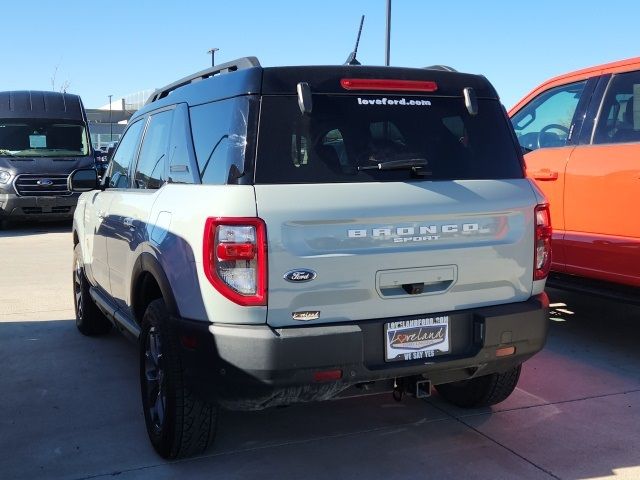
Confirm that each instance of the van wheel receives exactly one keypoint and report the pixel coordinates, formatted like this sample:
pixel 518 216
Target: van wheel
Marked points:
pixel 89 319
pixel 481 391
pixel 178 423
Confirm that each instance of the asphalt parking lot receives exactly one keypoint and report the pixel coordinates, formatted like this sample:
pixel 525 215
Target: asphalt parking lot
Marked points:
pixel 70 406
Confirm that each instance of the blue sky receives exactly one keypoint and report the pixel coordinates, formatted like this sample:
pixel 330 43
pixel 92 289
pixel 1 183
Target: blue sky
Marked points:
pixel 119 47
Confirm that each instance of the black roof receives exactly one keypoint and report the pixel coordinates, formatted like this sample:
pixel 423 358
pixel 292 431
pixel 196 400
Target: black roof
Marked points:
pixel 45 105
pixel 245 76
pixel 326 79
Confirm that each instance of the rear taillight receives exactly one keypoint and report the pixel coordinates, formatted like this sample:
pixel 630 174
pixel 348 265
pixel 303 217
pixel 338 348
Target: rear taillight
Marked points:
pixel 235 258
pixel 542 245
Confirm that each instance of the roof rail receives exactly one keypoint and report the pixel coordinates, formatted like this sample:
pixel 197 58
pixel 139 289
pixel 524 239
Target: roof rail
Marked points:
pixel 228 67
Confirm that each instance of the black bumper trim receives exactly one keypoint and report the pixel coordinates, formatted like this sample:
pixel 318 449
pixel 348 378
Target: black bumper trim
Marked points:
pixel 254 366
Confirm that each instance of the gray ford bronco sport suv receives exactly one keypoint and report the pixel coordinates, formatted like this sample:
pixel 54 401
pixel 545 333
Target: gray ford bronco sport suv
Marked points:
pixel 279 235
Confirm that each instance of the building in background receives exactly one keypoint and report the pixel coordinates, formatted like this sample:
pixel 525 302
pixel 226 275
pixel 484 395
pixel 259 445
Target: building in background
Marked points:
pixel 106 125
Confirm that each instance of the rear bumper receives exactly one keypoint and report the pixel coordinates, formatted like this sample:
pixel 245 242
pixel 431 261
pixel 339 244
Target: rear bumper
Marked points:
pixel 15 207
pixel 253 367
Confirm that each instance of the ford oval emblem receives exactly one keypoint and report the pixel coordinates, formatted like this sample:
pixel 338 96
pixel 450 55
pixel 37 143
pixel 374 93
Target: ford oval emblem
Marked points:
pixel 300 275
pixel 45 182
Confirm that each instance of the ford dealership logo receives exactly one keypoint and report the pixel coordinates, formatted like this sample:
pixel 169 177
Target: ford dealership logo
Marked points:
pixel 299 276
pixel 45 182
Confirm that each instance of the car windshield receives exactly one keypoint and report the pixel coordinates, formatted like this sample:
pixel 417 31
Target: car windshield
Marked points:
pixel 382 138
pixel 42 138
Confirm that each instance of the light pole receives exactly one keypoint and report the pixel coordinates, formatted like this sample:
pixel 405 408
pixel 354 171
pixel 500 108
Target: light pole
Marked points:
pixel 387 50
pixel 213 56
pixel 110 122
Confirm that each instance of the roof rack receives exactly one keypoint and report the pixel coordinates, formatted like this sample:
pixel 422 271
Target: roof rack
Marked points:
pixel 228 67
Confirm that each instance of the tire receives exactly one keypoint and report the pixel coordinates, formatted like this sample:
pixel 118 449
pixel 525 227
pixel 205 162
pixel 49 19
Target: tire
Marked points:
pixel 178 423
pixel 89 319
pixel 481 391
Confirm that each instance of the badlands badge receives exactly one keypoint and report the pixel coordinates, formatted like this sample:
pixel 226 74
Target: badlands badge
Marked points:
pixel 417 338
pixel 306 316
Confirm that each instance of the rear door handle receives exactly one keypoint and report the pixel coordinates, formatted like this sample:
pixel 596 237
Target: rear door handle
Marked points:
pixel 545 175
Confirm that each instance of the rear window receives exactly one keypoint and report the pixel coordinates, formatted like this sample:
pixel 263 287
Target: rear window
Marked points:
pixel 348 132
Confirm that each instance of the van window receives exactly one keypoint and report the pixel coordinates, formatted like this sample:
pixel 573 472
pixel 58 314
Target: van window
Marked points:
pixel 150 170
pixel 42 138
pixel 619 120
pixel 344 140
pixel 119 167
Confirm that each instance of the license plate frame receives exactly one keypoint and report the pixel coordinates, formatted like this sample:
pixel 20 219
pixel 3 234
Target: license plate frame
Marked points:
pixel 418 338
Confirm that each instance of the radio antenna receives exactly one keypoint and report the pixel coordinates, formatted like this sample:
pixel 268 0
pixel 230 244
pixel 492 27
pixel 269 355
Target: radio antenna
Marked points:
pixel 352 60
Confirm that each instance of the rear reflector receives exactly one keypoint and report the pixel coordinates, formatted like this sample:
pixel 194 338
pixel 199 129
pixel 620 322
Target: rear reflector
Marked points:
pixel 505 351
pixel 189 341
pixel 388 85
pixel 327 375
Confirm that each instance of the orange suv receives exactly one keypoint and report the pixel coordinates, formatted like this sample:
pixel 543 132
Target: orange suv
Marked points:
pixel 580 133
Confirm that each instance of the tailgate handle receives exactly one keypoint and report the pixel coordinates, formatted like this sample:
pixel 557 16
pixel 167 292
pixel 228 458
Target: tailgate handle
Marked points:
pixel 415 288
pixel 415 281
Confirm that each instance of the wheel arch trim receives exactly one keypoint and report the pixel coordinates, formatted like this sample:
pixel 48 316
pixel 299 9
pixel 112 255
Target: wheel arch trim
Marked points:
pixel 146 263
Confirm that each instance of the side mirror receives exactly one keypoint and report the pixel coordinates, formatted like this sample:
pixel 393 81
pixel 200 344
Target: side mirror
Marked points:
pixel 83 180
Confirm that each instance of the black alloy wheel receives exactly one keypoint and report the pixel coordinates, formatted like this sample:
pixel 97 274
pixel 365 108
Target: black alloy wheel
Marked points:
pixel 179 423
pixel 89 319
pixel 77 291
pixel 154 378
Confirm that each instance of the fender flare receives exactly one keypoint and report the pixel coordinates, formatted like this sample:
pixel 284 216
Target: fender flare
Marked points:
pixel 147 263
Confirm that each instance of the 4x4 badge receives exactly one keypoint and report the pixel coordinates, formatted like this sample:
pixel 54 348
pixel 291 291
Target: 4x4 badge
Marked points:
pixel 299 276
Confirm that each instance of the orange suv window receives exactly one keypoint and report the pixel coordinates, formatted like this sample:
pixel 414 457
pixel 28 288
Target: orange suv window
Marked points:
pixel 546 121
pixel 619 119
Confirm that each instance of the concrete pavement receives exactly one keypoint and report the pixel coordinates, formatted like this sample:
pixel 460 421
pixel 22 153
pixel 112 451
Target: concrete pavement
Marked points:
pixel 70 407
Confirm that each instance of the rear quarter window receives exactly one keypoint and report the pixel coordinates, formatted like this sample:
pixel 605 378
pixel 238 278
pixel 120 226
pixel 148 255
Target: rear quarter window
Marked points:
pixel 220 138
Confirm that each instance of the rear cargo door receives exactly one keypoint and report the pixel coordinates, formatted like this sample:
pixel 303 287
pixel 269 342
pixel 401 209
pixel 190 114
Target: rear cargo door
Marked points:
pixel 378 210
pixel 364 251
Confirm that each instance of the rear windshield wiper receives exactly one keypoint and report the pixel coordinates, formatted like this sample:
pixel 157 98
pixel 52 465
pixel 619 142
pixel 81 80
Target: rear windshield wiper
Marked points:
pixel 404 164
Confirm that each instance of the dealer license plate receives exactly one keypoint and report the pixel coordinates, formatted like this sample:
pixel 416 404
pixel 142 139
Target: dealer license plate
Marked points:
pixel 417 338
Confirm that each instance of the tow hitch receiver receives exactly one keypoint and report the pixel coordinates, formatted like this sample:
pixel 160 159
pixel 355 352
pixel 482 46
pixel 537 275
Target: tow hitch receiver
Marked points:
pixel 419 388
pixel 423 388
